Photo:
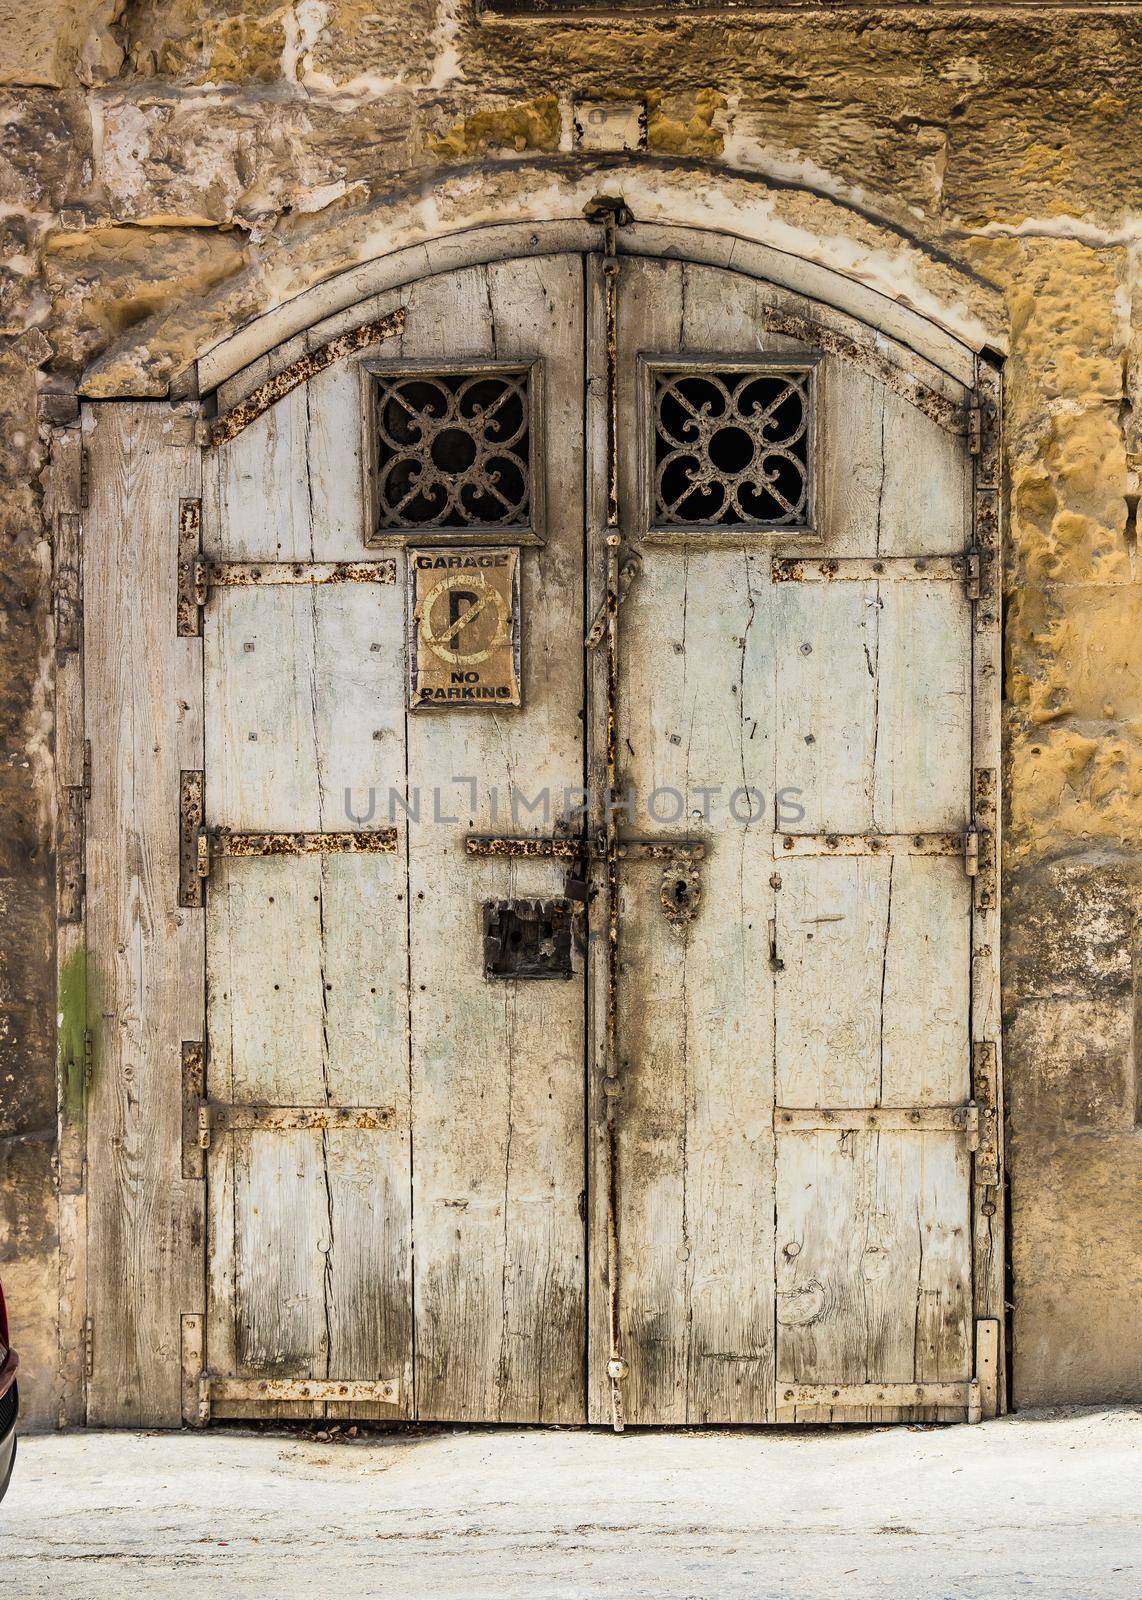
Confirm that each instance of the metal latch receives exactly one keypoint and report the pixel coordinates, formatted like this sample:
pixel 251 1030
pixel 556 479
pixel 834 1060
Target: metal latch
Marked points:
pixel 973 574
pixel 628 572
pixel 680 888
pixel 971 850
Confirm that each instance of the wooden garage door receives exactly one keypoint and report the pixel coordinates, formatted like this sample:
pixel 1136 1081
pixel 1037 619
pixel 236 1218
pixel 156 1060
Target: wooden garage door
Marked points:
pixel 591 1038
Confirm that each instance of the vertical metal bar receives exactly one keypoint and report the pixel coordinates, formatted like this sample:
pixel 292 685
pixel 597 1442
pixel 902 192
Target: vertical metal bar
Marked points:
pixel 616 1365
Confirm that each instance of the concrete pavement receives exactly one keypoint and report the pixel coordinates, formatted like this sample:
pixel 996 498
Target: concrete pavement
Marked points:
pixel 1035 1505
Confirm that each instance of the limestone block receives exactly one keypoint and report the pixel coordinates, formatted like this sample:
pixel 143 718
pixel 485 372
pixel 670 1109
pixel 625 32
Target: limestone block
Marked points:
pixel 190 160
pixel 1085 659
pixel 1070 1064
pixel 45 149
pixel 1077 1266
pixel 106 280
pixel 59 43
pixel 1071 785
pixel 29 1266
pixel 1070 930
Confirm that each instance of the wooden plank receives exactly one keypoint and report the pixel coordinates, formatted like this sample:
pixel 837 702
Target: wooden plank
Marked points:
pixel 603 1283
pixel 875 503
pixel 874 715
pixel 282 1239
pixel 145 956
pixel 873 999
pixel 987 1365
pixel 308 986
pixel 497 1069
pixel 62 515
pixel 193 1362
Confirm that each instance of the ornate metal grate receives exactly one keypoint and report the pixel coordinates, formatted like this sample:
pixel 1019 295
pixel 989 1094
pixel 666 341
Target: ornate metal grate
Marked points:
pixel 453 449
pixel 731 446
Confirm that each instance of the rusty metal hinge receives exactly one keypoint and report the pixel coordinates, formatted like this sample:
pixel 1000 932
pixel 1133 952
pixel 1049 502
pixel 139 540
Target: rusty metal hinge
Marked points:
pixel 71 875
pixel 191 596
pixel 973 574
pixel 84 477
pixel 200 846
pixel 89 1347
pixel 985 1090
pixel 191 839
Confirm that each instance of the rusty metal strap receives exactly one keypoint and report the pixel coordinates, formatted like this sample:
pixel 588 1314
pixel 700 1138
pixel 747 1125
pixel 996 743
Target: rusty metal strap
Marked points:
pixel 943 412
pixel 492 847
pixel 216 1116
pixel 870 844
pixel 214 842
pixel 215 1392
pixel 254 574
pixel 232 422
pixel 963 1392
pixel 862 569
pixel 962 1119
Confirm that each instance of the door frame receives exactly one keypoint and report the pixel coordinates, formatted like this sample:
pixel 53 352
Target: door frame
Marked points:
pixel 129 984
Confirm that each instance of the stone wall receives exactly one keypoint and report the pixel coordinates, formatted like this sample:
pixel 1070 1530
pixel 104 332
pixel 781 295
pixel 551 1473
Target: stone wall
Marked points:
pixel 170 167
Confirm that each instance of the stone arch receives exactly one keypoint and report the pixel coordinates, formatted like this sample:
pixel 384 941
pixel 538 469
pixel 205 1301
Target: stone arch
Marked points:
pixel 815 245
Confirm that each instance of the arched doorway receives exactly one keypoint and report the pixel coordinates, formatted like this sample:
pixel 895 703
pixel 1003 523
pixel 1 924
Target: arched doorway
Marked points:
pixel 596 709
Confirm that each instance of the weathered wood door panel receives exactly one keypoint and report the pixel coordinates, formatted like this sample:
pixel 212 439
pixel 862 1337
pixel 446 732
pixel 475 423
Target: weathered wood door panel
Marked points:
pixel 802 706
pixel 354 982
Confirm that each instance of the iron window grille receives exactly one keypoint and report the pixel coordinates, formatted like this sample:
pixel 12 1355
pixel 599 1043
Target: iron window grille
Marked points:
pixel 450 452
pixel 729 445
